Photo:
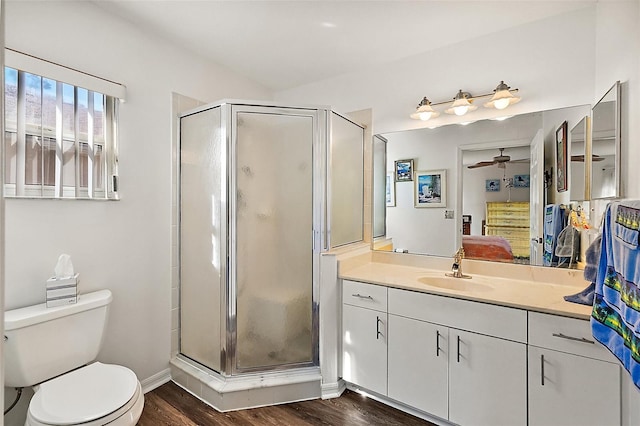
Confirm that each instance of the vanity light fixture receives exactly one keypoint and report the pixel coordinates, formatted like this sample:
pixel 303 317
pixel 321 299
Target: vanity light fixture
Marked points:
pixel 461 104
pixel 501 97
pixel 424 111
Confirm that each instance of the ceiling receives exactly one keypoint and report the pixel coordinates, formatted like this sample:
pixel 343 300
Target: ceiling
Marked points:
pixel 286 44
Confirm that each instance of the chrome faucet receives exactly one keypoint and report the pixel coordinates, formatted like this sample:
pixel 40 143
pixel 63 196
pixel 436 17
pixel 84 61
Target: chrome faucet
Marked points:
pixel 456 268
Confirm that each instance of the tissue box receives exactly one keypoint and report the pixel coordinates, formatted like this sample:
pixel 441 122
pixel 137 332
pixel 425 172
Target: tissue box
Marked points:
pixel 62 291
pixel 62 282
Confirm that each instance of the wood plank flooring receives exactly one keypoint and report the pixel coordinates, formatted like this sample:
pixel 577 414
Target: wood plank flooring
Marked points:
pixel 171 405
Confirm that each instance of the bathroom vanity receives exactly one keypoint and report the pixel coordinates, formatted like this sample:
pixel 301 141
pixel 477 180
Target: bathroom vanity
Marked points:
pixel 501 348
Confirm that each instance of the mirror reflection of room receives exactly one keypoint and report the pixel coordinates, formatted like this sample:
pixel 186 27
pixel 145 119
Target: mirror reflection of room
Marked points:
pixel 504 194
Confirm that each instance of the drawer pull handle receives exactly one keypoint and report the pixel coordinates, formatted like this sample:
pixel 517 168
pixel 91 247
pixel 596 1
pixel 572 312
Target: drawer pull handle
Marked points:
pixel 378 328
pixel 575 339
pixel 437 343
pixel 542 370
pixel 361 296
pixel 458 348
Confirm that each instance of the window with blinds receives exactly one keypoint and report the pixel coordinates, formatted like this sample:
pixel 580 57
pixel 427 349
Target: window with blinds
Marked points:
pixel 60 139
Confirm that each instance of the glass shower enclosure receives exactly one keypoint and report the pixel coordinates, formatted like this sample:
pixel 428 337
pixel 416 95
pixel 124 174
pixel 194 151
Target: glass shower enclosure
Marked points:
pixel 254 217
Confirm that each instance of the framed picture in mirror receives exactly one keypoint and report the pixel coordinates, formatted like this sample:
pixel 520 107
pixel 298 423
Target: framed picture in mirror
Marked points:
pixel 521 181
pixel 430 188
pixel 561 157
pixel 404 170
pixel 492 185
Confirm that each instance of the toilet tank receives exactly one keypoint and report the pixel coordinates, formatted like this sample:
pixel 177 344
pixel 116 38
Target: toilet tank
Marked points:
pixel 42 342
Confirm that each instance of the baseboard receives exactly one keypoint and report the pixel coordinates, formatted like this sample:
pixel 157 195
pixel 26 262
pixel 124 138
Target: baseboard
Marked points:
pixel 156 380
pixel 333 390
pixel 399 406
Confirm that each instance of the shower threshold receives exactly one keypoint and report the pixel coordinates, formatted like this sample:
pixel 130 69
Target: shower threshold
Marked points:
pixel 229 393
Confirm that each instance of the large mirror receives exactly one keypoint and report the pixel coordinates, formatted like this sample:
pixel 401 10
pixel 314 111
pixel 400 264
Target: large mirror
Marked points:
pixel 488 167
pixel 605 165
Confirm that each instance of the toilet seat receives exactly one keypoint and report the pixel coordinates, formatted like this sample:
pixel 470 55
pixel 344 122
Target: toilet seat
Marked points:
pixel 93 395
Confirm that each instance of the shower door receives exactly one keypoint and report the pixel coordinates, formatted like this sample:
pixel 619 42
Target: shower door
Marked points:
pixel 275 198
pixel 202 236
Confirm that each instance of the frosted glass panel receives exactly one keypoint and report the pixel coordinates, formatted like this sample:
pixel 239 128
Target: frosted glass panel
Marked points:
pixel 274 269
pixel 200 237
pixel 347 181
pixel 379 186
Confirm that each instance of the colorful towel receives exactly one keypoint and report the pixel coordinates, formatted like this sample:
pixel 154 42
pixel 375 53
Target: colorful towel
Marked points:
pixel 585 297
pixel 592 257
pixel 615 319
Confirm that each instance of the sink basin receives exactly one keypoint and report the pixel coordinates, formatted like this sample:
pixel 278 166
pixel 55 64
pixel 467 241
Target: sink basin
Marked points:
pixel 457 284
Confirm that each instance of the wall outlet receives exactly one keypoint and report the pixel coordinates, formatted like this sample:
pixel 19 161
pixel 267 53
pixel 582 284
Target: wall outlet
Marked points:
pixel 448 214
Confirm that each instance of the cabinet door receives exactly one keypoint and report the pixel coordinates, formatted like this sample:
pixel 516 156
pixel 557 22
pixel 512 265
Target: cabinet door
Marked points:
pixel 487 380
pixel 364 348
pixel 418 359
pixel 567 389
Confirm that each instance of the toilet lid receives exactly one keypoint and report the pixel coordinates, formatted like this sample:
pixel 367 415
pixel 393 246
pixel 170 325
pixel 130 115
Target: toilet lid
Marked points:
pixel 83 395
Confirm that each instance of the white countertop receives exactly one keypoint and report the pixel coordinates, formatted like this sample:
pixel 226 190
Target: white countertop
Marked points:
pixel 539 296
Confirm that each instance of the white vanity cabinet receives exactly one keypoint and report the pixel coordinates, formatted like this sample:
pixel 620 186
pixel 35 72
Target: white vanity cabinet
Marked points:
pixel 487 380
pixel 364 336
pixel 459 360
pixel 418 364
pixel 475 363
pixel 572 379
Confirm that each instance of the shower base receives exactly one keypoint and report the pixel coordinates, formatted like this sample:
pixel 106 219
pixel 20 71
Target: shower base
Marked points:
pixel 246 390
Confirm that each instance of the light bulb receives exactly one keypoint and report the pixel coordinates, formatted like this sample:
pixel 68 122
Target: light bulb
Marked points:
pixel 461 110
pixel 501 103
pixel 424 116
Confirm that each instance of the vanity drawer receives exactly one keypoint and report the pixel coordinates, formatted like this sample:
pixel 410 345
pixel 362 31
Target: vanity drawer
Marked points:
pixel 364 295
pixel 566 335
pixel 491 320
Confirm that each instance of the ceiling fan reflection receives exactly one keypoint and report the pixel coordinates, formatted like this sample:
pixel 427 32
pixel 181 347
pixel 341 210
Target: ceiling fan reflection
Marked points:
pixel 500 160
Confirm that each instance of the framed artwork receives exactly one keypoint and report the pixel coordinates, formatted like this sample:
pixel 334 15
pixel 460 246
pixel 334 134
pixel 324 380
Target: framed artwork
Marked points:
pixel 492 185
pixel 404 170
pixel 561 157
pixel 521 181
pixel 391 190
pixel 430 188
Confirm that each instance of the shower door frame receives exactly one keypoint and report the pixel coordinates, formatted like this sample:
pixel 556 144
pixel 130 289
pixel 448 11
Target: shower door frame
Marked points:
pixel 320 118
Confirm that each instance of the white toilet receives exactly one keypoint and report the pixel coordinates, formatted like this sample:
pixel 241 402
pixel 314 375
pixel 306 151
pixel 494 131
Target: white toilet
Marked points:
pixel 51 348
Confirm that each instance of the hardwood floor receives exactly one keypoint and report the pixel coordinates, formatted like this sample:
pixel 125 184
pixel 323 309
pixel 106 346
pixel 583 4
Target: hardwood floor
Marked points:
pixel 171 405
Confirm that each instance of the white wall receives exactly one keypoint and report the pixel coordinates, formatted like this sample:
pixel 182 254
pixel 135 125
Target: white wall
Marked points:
pixel 125 245
pixel 618 58
pixel 551 61
pixel 422 230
